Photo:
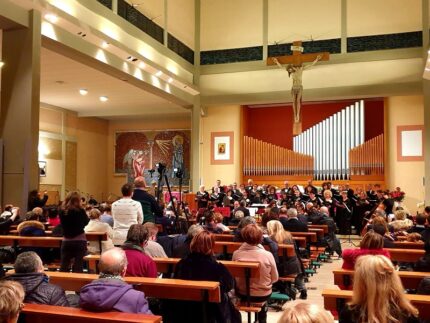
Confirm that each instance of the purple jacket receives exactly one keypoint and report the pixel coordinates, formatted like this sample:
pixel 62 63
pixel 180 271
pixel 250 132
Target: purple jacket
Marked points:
pixel 110 294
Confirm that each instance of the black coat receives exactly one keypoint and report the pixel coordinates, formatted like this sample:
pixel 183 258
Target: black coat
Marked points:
pixel 38 290
pixel 73 222
pixel 351 315
pixel 149 205
pixel 204 268
pixel 295 225
pixel 423 264
pixel 36 202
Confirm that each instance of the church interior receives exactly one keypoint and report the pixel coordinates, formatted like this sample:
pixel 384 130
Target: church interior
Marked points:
pixel 97 93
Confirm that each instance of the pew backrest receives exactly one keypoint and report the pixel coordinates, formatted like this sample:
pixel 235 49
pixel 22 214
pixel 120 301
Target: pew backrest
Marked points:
pixel 405 255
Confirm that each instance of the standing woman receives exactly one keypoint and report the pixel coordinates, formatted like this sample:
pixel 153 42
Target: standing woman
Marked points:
pixel 378 295
pixel 73 219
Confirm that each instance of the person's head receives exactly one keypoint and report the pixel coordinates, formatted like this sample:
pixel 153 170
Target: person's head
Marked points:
pixel 252 234
pixel 304 312
pixel 420 219
pixel 138 235
pixel 268 216
pixel 28 262
pixel 292 213
pixel 372 240
pixel 72 201
pixel 380 220
pixel 427 211
pixel 127 190
pixel 242 203
pixel 194 230
pixel 38 211
pixel 413 237
pixel 94 214
pixel 400 215
pixel 328 194
pixel 52 212
pixel 283 212
pixel 239 214
pixel 218 182
pixel 324 210
pixel 203 243
pixel 380 229
pixel 309 206
pixel 379 212
pixel 236 204
pixel 388 205
pixel 152 230
pixel 139 182
pixel 378 291
pixel 245 221
pixel 218 218
pixel 113 262
pixel 277 233
pixel 31 216
pixel 11 301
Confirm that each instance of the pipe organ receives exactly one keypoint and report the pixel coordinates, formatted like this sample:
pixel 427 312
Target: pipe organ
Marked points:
pixel 264 159
pixel 368 158
pixel 330 141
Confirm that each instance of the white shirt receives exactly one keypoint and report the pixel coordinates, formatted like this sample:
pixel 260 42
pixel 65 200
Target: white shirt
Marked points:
pixel 98 226
pixel 125 213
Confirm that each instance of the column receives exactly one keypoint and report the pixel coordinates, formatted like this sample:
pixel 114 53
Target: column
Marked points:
pixel 195 145
pixel 19 115
pixel 426 93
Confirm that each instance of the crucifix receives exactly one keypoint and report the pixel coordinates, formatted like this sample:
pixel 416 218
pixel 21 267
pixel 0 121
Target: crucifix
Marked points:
pixel 295 70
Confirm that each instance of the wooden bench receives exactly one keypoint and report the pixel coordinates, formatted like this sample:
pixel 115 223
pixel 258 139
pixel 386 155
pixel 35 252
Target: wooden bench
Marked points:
pixel 408 245
pixel 37 313
pixel 324 227
pixel 310 236
pixel 335 300
pixel 226 247
pixel 405 255
pixel 301 240
pixel 318 231
pixel 410 279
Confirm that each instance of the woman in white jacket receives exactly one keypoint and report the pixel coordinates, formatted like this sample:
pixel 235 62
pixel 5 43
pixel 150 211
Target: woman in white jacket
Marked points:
pixel 95 225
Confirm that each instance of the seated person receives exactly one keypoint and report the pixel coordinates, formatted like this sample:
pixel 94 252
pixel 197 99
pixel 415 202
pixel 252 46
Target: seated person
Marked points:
pixel 7 219
pixel 219 218
pixel 153 248
pixel 29 273
pixel 414 237
pixel 11 304
pixel 425 234
pixel 293 224
pixel 95 225
pixel 201 264
pixel 401 222
pixel 53 218
pixel 424 286
pixel 181 245
pixel 31 226
pixel 106 216
pixel 378 294
pixel 110 292
pixel 419 226
pixel 210 223
pixel 372 243
pixel 139 263
pixel 423 264
pixel 252 250
pixel 242 224
pixel 40 214
pixel 303 312
pixel 382 229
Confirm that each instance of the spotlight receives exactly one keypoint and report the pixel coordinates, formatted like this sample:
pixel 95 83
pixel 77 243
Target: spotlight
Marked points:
pixel 82 34
pixel 159 73
pixel 105 44
pixel 142 65
pixel 170 80
pixel 132 59
pixel 83 91
pixel 51 18
pixel 1 64
pixel 104 98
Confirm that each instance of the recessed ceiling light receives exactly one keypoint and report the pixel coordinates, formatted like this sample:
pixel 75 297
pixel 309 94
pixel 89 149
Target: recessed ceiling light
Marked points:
pixel 170 80
pixel 105 44
pixel 159 73
pixel 1 64
pixel 104 98
pixel 132 59
pixel 51 17
pixel 83 91
pixel 142 65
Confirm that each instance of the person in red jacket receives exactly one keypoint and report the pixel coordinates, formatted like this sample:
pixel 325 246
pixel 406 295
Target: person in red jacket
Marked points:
pixel 371 244
pixel 139 263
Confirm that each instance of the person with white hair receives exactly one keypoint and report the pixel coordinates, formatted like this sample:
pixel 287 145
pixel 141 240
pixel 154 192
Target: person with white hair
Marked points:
pixel 293 224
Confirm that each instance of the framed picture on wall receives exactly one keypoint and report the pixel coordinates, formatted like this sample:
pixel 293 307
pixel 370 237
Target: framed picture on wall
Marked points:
pixel 222 148
pixel 42 168
pixel 410 143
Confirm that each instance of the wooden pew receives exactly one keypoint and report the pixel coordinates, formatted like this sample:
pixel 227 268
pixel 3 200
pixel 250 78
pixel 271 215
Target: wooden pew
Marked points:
pixel 37 313
pixel 310 236
pixel 410 279
pixel 318 231
pixel 319 226
pixel 301 240
pixel 405 255
pixel 335 300
pixel 408 245
pixel 227 247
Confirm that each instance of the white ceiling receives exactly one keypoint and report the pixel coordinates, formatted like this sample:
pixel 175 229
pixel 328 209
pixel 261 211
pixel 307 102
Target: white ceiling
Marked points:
pixel 124 98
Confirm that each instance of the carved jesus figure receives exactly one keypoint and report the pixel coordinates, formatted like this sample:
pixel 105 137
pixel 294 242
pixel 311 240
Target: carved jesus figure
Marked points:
pixel 296 72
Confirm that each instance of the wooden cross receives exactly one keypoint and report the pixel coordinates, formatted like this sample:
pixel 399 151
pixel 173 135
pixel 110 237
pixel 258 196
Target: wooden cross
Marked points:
pixel 295 68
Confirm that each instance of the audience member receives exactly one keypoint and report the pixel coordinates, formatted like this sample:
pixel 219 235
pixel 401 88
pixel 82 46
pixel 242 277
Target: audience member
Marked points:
pixel 382 229
pixel 7 220
pixel 414 237
pixel 150 207
pixel 73 221
pixel 372 243
pixel 29 273
pixel 153 248
pixel 303 312
pixel 125 212
pixel 293 224
pixel 34 199
pixel 53 218
pixel 106 216
pixel 11 301
pixel 425 234
pixel 424 287
pixel 31 226
pixel 219 218
pixel 423 264
pixel 419 226
pixel 110 292
pixel 200 264
pixel 290 265
pixel 378 294
pixel 139 263
pixel 181 248
pixel 252 250
pixel 95 225
pixel 401 222
pixel 242 224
